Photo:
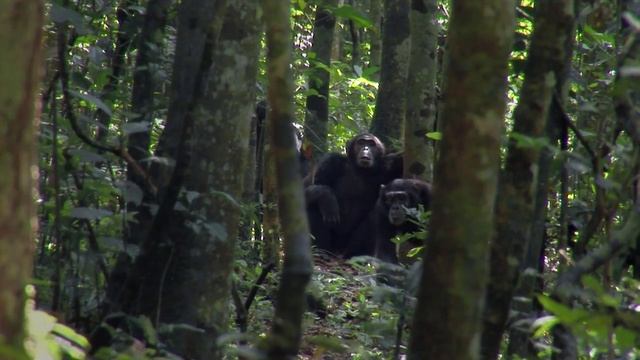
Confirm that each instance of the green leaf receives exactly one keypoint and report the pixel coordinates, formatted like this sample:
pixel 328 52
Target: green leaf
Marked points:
pixel 135 127
pixel 527 142
pixel 415 251
pixel 543 325
pixel 94 100
pixel 60 15
pixel 434 135
pixel 348 12
pixel 602 38
pixel 89 213
pixel 625 338
pixel 591 282
pixel 87 156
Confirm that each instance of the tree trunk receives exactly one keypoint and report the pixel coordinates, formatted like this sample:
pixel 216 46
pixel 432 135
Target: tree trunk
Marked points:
pixel 391 101
pixel 120 50
pixel 199 24
pixel 198 278
pixel 421 91
pixel 515 202
pixel 197 33
pixel 284 339
pixel 21 24
pixel 448 319
pixel 270 223
pixel 142 105
pixel 317 115
pixel 375 13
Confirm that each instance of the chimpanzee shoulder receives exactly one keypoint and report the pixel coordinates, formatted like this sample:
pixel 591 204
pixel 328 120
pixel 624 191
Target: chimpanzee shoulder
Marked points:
pixel 331 167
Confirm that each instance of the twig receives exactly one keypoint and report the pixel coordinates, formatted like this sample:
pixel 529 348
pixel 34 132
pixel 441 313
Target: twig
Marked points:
pixel 567 120
pixel 254 290
pixel 120 151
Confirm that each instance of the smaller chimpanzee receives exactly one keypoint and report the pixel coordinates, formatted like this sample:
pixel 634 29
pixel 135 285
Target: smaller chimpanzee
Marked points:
pixel 391 216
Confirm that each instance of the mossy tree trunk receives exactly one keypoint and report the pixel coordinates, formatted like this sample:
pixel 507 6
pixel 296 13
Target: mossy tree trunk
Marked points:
pixel 198 281
pixel 375 13
pixel 142 104
pixel 448 318
pixel 284 340
pixel 421 91
pixel 391 101
pixel 138 290
pixel 21 24
pixel 516 196
pixel 317 114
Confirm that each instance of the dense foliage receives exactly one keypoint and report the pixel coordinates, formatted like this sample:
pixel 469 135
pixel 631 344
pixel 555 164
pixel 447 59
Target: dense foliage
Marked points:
pixel 579 277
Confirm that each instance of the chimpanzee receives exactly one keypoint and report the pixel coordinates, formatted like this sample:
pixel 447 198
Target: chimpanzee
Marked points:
pixel 343 191
pixel 390 217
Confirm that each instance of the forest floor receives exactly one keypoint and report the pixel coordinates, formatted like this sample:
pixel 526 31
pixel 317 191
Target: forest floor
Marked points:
pixel 353 313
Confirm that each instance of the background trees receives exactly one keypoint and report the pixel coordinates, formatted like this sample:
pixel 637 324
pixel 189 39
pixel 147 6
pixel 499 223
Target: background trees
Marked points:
pixel 20 75
pixel 149 226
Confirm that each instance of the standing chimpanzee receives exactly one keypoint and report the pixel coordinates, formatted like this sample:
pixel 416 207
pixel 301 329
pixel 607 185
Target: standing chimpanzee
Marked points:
pixel 396 204
pixel 343 191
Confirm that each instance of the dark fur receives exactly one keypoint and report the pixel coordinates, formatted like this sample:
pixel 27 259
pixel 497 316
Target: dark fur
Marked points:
pixel 390 218
pixel 343 190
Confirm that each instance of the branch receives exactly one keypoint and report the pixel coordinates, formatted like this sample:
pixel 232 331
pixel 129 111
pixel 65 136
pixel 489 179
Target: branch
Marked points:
pixel 567 120
pixel 120 151
pixel 568 282
pixel 625 113
pixel 254 290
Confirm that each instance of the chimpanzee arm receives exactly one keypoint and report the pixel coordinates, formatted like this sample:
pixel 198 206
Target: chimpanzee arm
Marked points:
pixel 321 192
pixel 325 199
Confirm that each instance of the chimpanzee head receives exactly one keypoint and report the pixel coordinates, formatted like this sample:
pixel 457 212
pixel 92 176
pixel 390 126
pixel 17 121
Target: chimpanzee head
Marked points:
pixel 400 195
pixel 365 151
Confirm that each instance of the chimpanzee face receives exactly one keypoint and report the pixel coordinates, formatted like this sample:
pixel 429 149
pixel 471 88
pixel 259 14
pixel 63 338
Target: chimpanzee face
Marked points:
pixel 397 202
pixel 365 150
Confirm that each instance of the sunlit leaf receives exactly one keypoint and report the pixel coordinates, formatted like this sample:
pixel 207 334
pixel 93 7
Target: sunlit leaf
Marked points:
pixel 543 325
pixel 349 12
pixel 130 191
pixel 434 135
pixel 135 127
pixel 94 100
pixel 60 15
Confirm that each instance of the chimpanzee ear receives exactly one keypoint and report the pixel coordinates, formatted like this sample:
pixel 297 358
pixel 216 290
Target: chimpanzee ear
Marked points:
pixel 348 147
pixel 425 195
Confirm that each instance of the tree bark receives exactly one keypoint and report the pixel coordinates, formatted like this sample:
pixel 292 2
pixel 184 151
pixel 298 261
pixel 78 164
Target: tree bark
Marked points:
pixel 21 23
pixel 199 24
pixel 286 333
pixel 142 105
pixel 120 50
pixel 198 31
pixel 448 319
pixel 515 202
pixel 375 13
pixel 198 278
pixel 317 114
pixel 421 91
pixel 391 100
